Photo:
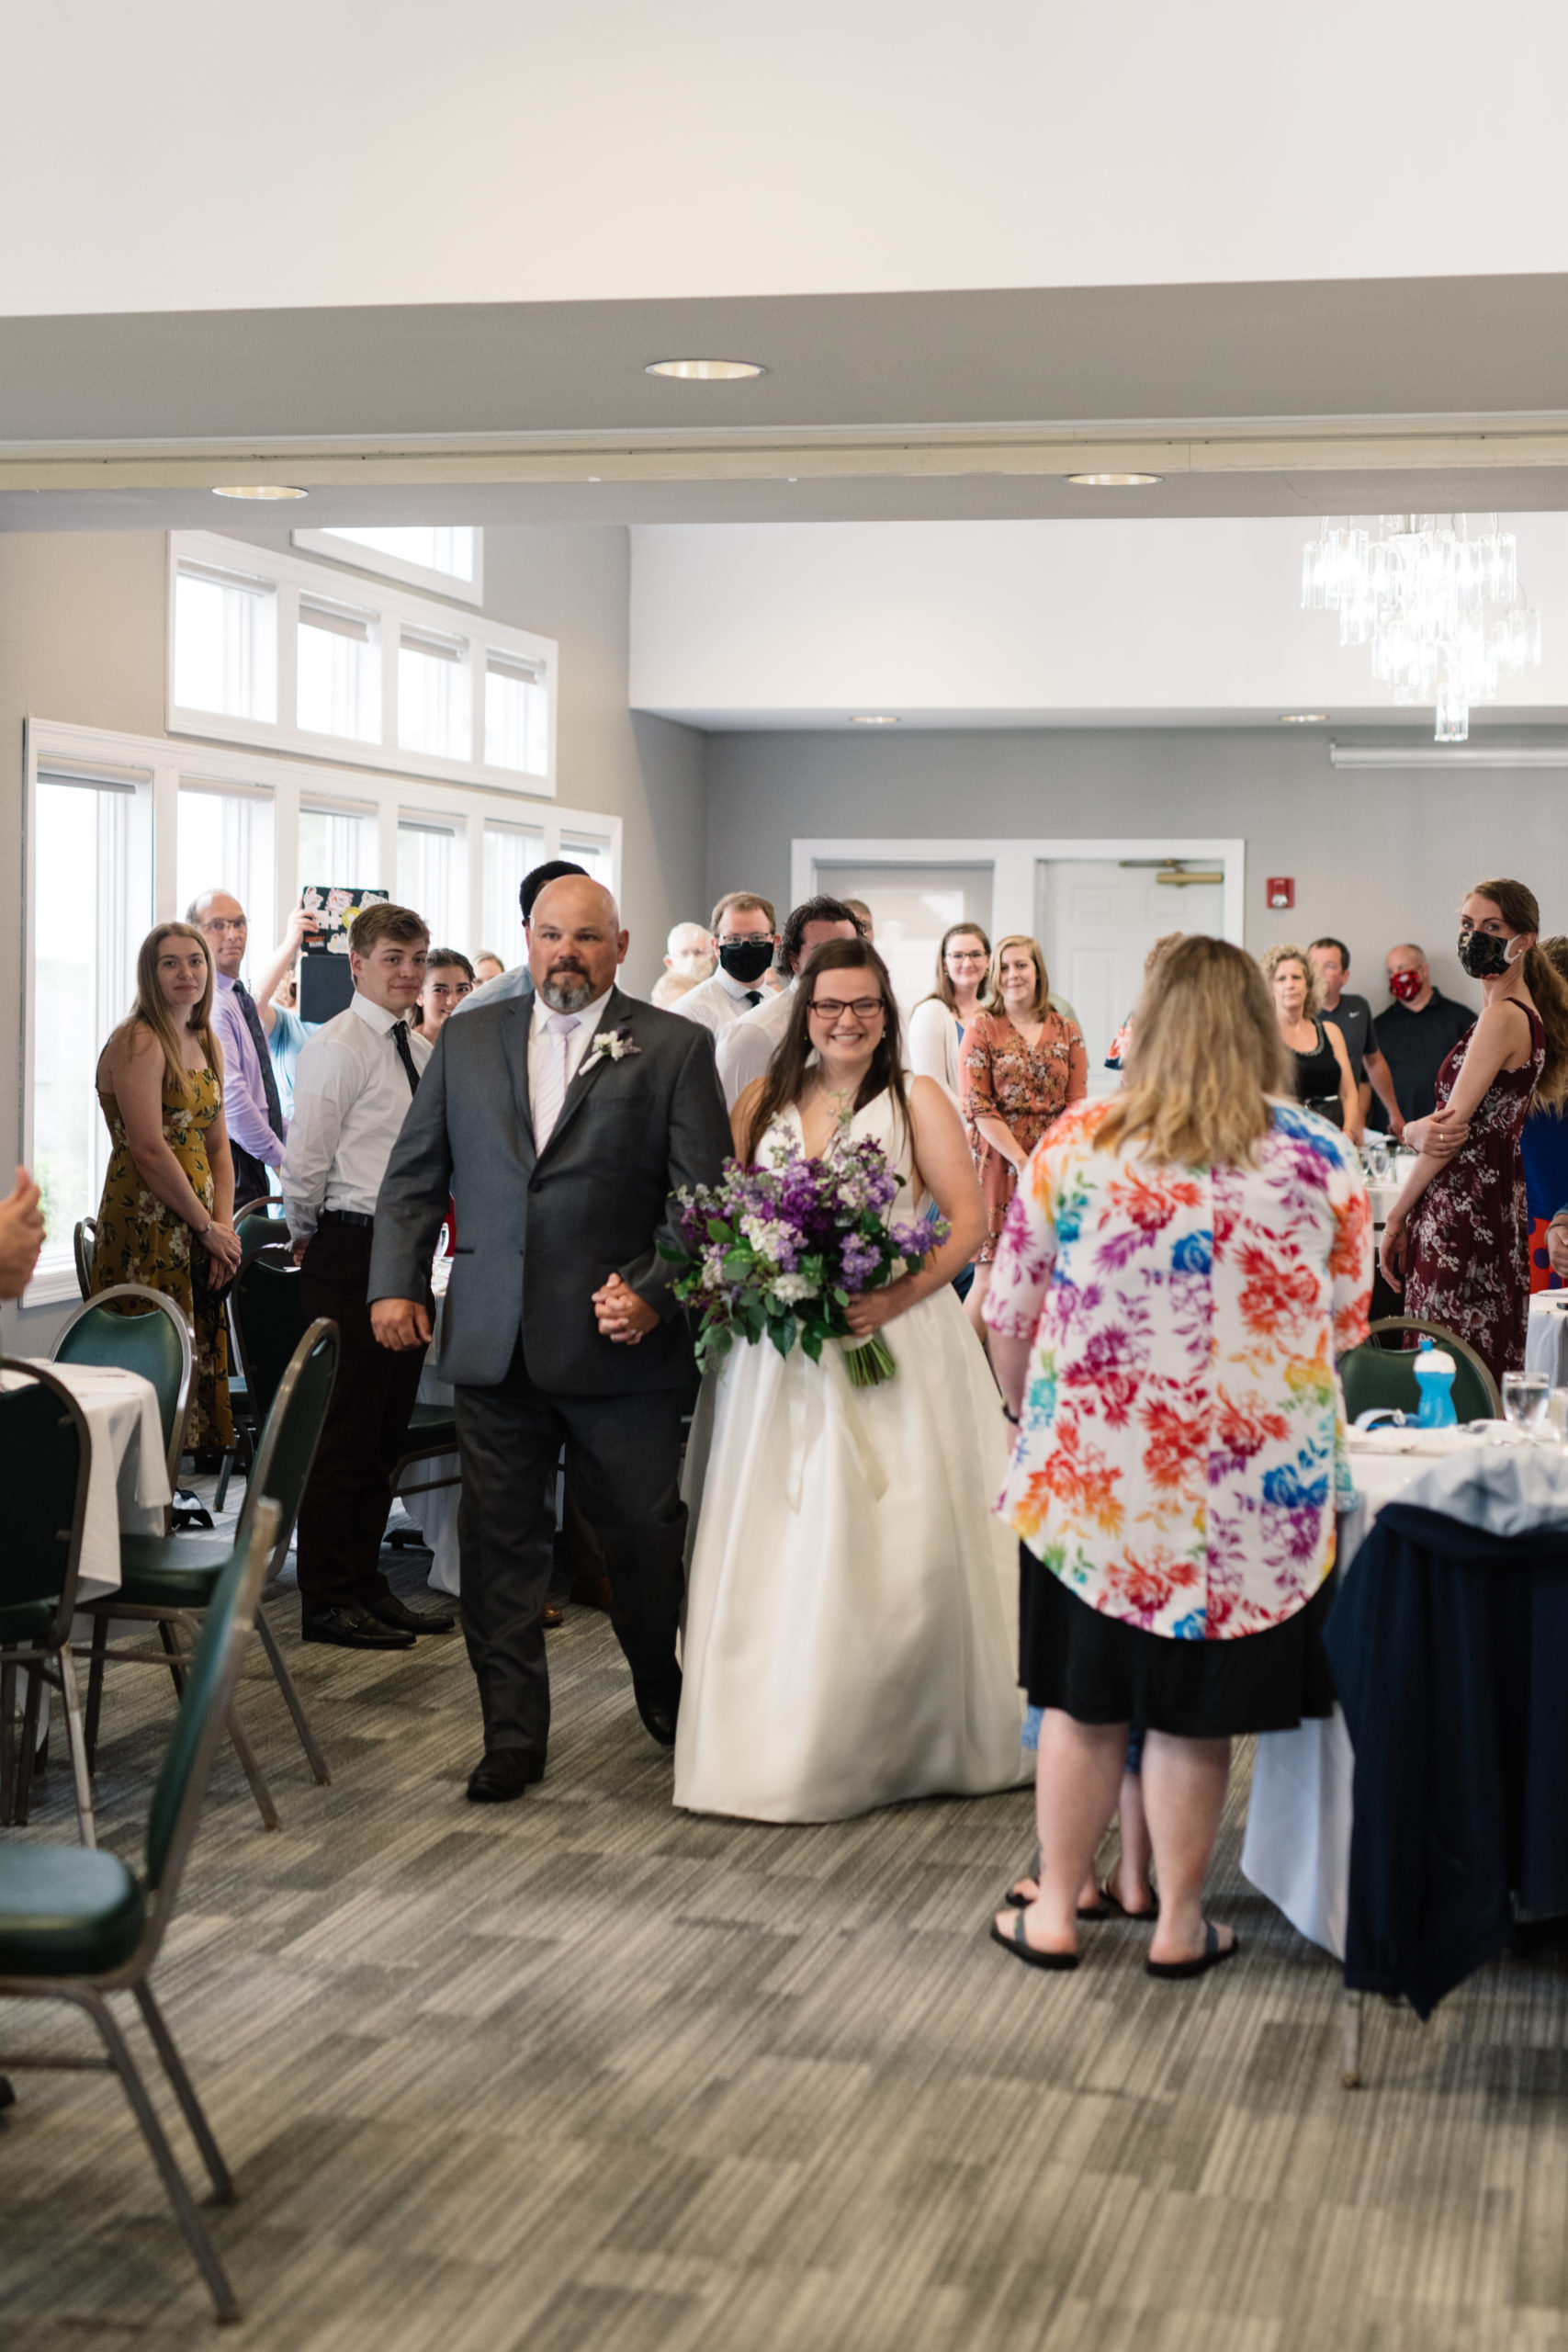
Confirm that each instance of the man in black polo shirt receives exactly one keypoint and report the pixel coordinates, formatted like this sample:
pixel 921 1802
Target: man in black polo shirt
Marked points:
pixel 1351 1015
pixel 1416 1037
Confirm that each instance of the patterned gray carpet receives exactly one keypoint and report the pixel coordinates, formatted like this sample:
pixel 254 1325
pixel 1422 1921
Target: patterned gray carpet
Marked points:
pixel 583 2075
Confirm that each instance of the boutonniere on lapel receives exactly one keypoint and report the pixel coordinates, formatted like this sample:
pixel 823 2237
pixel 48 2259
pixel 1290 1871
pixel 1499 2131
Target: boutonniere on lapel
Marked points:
pixel 614 1045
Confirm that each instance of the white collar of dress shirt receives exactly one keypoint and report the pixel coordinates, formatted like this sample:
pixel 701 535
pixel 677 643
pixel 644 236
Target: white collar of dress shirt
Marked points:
pixel 729 984
pixel 590 1013
pixel 376 1016
pixel 223 978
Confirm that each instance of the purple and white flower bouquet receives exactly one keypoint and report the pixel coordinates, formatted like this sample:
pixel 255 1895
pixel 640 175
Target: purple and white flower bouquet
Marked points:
pixel 777 1252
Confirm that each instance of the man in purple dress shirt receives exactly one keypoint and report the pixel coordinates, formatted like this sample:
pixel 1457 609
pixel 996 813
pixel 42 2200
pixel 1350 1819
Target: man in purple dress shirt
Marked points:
pixel 252 1112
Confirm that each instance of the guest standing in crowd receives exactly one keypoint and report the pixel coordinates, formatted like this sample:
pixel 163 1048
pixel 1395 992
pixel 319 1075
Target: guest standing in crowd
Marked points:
pixel 748 1046
pixel 849 1630
pixel 448 979
pixel 22 1235
pixel 561 1121
pixel 488 967
pixel 690 957
pixel 1021 1065
pixel 351 1093
pixel 1457 1241
pixel 1180 1266
pixel 1415 1035
pixel 863 915
pixel 286 1037
pixel 497 987
pixel 1544 1146
pixel 1121 1044
pixel 166 1218
pixel 252 1108
pixel 1320 1062
pixel 938 1021
pixel 745 934
pixel 1352 1016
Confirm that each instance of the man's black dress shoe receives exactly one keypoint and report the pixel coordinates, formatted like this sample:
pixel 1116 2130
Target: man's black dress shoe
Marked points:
pixel 388 1610
pixel 503 1774
pixel 353 1629
pixel 658 1714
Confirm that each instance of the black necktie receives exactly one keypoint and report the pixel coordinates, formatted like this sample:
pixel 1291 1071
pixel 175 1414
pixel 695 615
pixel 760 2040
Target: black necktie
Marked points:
pixel 400 1039
pixel 252 1019
pixel 753 996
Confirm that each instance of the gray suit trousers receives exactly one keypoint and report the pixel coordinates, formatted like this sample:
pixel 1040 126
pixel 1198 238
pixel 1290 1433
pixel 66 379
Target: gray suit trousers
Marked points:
pixel 627 1457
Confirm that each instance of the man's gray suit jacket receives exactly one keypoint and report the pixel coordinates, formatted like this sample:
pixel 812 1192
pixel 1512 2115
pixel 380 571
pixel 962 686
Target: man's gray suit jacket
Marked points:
pixel 537 1233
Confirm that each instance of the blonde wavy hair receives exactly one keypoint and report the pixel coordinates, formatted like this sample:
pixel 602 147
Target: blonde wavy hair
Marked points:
pixel 1206 1055
pixel 151 1011
pixel 993 996
pixel 1270 961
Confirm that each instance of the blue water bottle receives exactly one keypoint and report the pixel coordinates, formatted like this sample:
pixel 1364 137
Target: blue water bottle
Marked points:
pixel 1435 1370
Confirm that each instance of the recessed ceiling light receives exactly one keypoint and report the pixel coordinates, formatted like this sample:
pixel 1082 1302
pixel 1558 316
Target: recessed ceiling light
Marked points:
pixel 259 489
pixel 1304 718
pixel 1115 481
pixel 705 371
pixel 872 719
pixel 595 477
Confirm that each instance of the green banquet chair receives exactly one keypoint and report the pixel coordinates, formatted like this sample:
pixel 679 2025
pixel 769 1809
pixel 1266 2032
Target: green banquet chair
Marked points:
pixel 154 1340
pixel 45 1462
pixel 261 1225
pixel 1373 1376
pixel 78 1926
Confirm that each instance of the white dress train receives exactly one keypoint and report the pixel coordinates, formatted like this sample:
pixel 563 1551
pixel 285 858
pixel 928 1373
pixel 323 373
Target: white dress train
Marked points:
pixel 852 1609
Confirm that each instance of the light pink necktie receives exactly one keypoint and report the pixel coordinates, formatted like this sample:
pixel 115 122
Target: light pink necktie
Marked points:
pixel 551 1091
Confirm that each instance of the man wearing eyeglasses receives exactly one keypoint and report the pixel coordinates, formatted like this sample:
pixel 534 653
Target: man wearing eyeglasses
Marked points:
pixel 747 1045
pixel 253 1111
pixel 745 932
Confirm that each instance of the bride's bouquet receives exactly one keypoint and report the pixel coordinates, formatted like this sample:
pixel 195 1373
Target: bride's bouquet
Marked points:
pixel 777 1252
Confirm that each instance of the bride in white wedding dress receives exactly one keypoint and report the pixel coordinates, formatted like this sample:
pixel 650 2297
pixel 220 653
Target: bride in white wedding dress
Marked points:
pixel 852 1610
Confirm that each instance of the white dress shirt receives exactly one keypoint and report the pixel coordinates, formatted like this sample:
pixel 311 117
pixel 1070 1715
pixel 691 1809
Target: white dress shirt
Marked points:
pixel 718 1002
pixel 542 1040
pixel 351 1097
pixel 748 1044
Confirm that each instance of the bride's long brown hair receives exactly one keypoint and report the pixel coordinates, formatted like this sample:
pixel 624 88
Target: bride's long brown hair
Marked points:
pixel 786 1074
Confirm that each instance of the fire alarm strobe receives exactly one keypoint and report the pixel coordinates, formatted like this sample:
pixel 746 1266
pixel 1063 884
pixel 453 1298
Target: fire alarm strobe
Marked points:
pixel 1281 890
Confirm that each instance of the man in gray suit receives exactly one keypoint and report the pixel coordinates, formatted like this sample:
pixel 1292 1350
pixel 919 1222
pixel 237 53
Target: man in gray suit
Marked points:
pixel 561 1123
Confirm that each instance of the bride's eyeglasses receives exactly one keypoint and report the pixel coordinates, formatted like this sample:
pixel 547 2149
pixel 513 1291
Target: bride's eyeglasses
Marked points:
pixel 832 1008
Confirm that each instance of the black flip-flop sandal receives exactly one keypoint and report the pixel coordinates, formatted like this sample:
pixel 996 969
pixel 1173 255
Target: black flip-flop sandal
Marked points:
pixel 1107 1896
pixel 1021 1948
pixel 1214 1952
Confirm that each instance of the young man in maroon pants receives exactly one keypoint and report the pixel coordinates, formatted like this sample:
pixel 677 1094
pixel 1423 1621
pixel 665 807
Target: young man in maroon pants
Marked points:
pixel 351 1089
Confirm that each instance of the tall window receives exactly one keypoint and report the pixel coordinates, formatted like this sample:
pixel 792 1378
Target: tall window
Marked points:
pixel 517 731
pixel 434 687
pixel 91 908
pixel 510 852
pixel 427 876
pixel 592 854
pixel 225 642
pixel 224 841
pixel 339 675
pixel 339 848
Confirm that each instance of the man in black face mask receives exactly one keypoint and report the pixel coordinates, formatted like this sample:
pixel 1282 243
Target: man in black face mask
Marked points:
pixel 745 932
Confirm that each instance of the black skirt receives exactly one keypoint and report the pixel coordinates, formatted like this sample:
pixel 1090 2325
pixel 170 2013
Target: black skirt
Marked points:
pixel 1099 1670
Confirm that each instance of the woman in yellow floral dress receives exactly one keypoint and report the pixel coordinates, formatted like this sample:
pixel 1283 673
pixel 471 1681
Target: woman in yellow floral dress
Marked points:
pixel 166 1216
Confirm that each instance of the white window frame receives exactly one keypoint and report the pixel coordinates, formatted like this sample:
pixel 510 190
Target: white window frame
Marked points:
pixel 391 607
pixel 155 766
pixel 399 566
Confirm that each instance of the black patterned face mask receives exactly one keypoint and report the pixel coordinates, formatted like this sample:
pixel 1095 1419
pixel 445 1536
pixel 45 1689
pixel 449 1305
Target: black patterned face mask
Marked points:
pixel 1482 955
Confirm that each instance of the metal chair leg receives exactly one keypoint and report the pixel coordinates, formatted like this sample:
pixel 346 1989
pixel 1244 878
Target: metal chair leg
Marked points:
pixel 253 1773
pixel 172 1651
pixel 225 1473
pixel 291 1698
pixel 1351 2042
pixel 7 1741
pixel 24 1788
pixel 191 2224
pixel 100 1651
pixel 185 2091
pixel 77 1740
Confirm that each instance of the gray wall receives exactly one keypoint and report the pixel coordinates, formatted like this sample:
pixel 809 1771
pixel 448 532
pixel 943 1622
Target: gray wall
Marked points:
pixel 82 639
pixel 1376 856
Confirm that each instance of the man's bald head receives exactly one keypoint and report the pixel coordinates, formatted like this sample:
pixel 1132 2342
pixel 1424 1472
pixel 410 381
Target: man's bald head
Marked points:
pixel 222 918
pixel 575 941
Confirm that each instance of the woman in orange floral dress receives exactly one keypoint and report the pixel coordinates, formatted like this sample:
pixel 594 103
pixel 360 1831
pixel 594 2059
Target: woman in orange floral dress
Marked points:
pixel 1018 1069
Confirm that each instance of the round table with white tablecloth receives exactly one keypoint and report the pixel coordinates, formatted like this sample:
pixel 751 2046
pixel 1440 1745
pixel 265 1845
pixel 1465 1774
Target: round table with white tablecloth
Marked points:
pixel 1297 1847
pixel 128 1483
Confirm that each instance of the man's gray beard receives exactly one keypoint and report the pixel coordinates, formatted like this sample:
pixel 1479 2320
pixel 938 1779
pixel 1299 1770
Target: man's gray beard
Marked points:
pixel 565 992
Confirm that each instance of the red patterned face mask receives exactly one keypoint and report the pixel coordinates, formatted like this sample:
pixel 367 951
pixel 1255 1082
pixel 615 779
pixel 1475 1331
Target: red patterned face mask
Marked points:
pixel 1405 986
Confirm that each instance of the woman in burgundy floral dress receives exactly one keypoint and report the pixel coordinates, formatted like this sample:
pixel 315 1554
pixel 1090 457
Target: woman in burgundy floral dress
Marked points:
pixel 1457 1239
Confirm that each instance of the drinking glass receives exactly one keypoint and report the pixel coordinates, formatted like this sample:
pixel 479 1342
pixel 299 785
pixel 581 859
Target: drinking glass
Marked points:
pixel 1526 1396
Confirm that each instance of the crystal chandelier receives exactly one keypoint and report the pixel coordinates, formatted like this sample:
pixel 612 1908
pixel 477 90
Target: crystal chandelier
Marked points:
pixel 1436 596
